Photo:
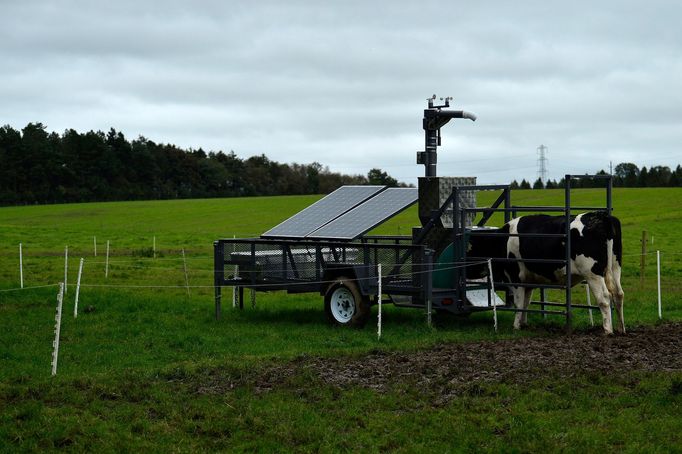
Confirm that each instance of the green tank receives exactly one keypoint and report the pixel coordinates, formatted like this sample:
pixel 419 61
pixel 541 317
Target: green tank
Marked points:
pixel 442 270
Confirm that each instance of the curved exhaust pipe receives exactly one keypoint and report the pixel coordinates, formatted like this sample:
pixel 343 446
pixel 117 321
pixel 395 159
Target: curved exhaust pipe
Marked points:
pixel 455 114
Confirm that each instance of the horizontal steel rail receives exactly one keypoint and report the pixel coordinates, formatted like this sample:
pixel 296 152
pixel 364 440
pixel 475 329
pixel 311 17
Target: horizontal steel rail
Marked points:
pixel 529 311
pixel 526 208
pixel 519 235
pixel 551 303
pixel 515 259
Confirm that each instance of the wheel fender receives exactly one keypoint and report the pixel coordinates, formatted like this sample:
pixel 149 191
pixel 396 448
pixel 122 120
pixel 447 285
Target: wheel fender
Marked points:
pixel 365 277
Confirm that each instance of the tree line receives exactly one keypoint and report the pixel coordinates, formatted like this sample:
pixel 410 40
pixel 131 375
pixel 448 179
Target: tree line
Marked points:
pixel 625 175
pixel 42 167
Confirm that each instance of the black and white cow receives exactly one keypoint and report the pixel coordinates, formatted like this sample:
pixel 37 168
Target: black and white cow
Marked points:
pixel 596 256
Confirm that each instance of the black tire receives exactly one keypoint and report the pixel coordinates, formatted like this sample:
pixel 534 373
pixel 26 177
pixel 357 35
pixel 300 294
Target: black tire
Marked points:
pixel 345 305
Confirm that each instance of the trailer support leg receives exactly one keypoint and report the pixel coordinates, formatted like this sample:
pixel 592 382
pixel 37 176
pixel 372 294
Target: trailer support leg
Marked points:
pixel 218 275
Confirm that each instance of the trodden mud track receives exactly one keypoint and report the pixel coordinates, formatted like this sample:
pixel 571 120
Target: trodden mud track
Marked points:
pixel 449 369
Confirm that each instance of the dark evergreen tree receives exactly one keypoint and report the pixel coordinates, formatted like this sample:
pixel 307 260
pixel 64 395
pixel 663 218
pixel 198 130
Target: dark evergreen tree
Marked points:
pixel 376 176
pixel 626 174
pixel 643 178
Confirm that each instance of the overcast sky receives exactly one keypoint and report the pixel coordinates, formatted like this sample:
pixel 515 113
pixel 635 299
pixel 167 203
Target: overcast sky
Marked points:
pixel 345 83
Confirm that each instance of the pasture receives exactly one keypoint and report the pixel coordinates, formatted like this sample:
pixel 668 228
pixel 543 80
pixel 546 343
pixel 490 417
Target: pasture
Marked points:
pixel 146 366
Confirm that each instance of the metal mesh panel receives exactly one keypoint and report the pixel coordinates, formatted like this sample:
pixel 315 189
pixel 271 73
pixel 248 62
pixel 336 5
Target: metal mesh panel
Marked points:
pixel 305 262
pixel 434 191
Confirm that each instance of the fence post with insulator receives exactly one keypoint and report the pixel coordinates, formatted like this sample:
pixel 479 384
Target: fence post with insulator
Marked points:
pixel 57 329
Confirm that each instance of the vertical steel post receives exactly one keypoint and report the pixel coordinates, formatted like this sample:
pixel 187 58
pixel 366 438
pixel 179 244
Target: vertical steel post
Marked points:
pixel 508 216
pixel 428 284
pixel 542 302
pixel 567 205
pixel 507 204
pixel 218 263
pixel 589 303
pixel 430 147
pixel 379 301
pixel 463 252
pixel 609 192
pixel 456 246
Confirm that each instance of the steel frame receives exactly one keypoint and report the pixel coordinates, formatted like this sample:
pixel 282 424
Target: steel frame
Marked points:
pixel 403 248
pixel 460 233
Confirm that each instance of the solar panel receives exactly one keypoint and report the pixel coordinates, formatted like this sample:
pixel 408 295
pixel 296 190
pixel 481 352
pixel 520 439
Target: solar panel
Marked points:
pixel 321 212
pixel 365 217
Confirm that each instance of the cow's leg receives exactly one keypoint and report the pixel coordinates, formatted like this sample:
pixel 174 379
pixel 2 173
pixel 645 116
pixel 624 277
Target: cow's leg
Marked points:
pixel 616 291
pixel 601 293
pixel 528 295
pixel 519 303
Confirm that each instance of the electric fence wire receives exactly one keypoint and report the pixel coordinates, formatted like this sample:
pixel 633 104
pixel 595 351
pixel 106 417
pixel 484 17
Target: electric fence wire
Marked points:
pixel 247 284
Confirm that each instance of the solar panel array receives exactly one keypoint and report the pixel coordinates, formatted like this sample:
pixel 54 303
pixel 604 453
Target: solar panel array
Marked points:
pixel 323 211
pixel 368 215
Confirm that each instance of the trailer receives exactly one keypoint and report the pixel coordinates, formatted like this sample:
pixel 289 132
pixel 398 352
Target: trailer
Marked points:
pixel 326 248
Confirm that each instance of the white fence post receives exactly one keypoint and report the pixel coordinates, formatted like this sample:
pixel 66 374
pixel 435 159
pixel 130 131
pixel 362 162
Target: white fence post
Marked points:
pixel 184 265
pixel 106 266
pixel 492 293
pixel 21 266
pixel 57 328
pixel 78 289
pixel 66 267
pixel 94 244
pixel 589 303
pixel 658 270
pixel 379 301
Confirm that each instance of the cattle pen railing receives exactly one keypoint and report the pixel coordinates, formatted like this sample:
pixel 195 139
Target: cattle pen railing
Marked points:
pixel 461 234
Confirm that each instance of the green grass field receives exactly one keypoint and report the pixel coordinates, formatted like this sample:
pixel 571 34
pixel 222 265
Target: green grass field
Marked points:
pixel 133 365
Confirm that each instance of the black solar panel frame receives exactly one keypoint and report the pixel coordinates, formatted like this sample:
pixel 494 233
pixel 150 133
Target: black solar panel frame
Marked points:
pixel 327 219
pixel 319 234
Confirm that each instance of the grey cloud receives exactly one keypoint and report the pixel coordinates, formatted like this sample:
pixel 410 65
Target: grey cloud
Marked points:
pixel 344 84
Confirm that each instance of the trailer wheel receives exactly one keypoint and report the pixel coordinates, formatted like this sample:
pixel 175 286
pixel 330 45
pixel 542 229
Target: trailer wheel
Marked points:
pixel 345 305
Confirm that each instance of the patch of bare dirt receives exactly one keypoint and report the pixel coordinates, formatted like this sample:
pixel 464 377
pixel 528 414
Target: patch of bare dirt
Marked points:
pixel 448 369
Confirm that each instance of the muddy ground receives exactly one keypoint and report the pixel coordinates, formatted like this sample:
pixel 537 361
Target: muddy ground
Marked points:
pixel 450 369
